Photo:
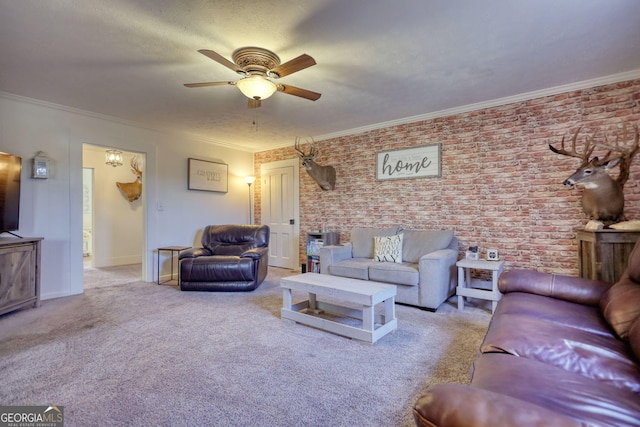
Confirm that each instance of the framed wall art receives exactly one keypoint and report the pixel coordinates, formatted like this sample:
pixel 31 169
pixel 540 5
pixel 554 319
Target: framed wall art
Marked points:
pixel 208 176
pixel 406 163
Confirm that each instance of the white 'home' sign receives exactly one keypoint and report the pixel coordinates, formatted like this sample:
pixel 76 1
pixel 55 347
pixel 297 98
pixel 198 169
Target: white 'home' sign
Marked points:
pixel 404 163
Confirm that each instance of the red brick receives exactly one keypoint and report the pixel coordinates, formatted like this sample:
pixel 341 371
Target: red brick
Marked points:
pixel 501 186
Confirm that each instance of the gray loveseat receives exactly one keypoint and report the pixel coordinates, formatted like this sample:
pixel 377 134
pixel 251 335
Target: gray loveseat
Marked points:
pixel 425 278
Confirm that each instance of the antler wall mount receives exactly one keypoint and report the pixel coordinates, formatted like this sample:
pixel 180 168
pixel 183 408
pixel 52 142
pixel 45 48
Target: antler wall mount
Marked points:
pixel 603 197
pixel 324 176
pixel 132 190
pixel 259 67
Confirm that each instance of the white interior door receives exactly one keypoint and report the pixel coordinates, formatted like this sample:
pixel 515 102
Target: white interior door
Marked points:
pixel 279 201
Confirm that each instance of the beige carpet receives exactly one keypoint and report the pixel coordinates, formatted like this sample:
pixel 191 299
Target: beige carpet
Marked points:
pixel 134 353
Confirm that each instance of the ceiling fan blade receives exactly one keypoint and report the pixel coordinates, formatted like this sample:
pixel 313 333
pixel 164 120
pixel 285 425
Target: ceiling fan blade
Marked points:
pixel 296 64
pixel 222 60
pixel 209 84
pixel 296 91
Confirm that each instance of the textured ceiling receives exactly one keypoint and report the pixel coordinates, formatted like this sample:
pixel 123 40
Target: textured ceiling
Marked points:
pixel 379 61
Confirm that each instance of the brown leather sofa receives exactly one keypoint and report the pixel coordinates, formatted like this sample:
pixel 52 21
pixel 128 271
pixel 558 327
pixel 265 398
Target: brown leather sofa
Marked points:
pixel 559 351
pixel 233 258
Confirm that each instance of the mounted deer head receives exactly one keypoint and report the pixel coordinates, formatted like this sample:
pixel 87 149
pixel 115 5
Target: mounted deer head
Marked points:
pixel 325 176
pixel 603 197
pixel 132 190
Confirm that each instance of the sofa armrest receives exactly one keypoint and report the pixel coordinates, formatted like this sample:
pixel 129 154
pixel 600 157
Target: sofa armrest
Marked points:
pixel 569 288
pixel 331 254
pixel 437 277
pixel 457 405
pixel 194 253
pixel 437 265
pixel 255 253
pixel 450 256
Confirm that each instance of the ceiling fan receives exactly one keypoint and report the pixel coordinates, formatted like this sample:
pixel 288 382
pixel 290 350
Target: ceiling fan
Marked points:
pixel 259 67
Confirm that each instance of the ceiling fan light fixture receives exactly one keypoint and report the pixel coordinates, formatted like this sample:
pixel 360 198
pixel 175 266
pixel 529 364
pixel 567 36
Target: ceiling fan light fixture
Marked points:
pixel 256 87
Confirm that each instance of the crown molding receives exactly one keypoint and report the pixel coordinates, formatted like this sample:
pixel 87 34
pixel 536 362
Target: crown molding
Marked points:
pixel 581 85
pixel 90 114
pixel 527 96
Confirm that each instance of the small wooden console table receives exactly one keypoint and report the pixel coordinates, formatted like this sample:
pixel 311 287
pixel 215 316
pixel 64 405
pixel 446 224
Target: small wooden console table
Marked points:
pixel 604 254
pixel 19 273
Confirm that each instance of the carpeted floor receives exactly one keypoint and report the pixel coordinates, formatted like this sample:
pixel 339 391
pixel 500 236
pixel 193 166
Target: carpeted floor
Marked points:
pixel 128 352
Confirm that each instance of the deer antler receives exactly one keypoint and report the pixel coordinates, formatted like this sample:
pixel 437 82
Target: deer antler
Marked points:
pixel 586 151
pixel 297 146
pixel 627 153
pixel 135 167
pixel 313 151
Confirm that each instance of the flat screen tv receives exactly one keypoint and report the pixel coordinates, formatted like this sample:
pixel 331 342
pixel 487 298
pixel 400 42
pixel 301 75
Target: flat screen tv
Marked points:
pixel 10 172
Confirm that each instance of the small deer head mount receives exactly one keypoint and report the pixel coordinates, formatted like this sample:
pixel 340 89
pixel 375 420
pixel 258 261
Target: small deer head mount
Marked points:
pixel 132 190
pixel 325 176
pixel 603 198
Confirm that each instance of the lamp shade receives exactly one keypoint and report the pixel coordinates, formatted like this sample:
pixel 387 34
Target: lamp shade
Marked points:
pixel 256 87
pixel 113 158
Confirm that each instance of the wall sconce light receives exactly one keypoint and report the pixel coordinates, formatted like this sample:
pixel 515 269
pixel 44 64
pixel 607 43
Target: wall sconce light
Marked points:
pixel 40 166
pixel 250 180
pixel 113 157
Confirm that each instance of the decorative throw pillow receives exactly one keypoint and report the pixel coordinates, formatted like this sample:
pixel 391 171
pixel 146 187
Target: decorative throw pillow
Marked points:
pixel 388 248
pixel 620 305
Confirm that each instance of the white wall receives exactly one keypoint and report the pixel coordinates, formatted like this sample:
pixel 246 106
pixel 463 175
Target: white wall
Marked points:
pixel 52 208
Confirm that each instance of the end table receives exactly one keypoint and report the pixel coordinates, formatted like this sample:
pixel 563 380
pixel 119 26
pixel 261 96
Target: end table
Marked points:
pixel 173 250
pixel 478 288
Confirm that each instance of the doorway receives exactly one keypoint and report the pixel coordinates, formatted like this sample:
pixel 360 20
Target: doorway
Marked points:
pixel 113 227
pixel 280 210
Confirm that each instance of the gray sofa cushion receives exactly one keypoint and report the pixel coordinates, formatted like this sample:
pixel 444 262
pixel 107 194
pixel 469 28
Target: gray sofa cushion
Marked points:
pixel 399 274
pixel 421 242
pixel 362 239
pixel 356 268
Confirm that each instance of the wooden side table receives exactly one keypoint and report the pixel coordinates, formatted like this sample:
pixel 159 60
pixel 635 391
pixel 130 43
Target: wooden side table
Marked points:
pixel 173 250
pixel 478 288
pixel 604 254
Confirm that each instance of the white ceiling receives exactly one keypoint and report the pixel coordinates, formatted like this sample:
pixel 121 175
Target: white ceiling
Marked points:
pixel 379 61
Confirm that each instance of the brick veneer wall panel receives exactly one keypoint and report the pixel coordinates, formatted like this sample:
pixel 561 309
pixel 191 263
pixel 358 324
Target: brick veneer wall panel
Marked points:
pixel 501 186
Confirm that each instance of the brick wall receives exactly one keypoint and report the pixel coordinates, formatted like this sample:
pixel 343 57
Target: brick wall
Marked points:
pixel 501 186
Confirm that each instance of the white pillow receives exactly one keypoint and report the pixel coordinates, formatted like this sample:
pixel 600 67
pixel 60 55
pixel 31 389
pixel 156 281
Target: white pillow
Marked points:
pixel 388 248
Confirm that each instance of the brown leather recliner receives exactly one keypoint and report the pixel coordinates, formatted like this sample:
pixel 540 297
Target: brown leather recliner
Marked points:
pixel 233 258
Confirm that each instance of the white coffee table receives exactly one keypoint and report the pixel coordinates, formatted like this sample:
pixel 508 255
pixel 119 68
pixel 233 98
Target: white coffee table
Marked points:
pixel 363 293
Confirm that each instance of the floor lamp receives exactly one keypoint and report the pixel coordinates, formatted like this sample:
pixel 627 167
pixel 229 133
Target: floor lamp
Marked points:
pixel 250 180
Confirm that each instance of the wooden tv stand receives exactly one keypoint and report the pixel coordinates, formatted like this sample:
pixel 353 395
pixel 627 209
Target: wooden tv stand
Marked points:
pixel 19 273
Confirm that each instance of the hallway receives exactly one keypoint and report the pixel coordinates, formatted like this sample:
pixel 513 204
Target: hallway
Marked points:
pixel 111 276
